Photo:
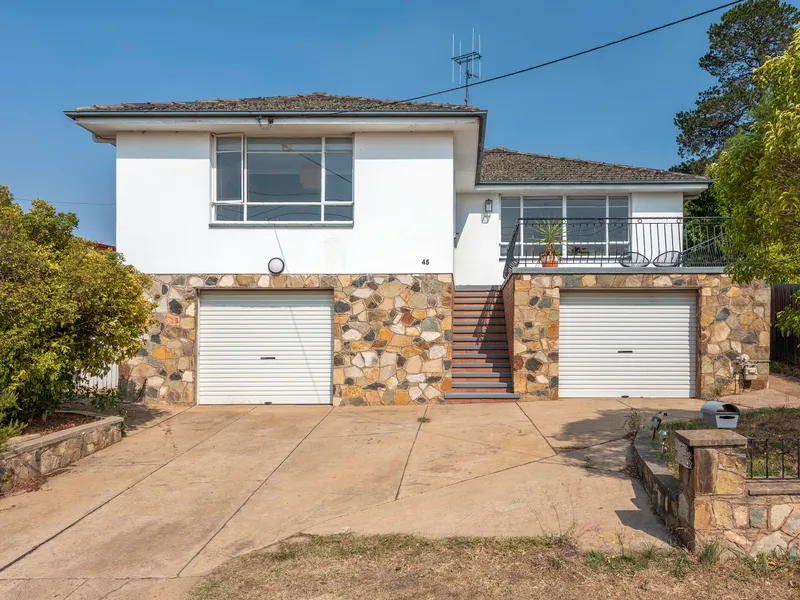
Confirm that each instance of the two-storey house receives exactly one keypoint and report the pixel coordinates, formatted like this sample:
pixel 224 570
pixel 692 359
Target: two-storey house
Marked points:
pixel 328 249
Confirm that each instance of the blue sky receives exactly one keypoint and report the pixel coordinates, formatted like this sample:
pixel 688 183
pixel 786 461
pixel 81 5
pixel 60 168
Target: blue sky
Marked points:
pixel 616 105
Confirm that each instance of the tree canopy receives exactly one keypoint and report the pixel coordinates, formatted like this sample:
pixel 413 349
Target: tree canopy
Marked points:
pixel 758 180
pixel 66 308
pixel 746 36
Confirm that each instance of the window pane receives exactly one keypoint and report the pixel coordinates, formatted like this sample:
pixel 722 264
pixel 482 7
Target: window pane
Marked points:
pixel 283 145
pixel 338 145
pixel 592 228
pixel 284 177
pixel 618 249
pixel 586 208
pixel 338 213
pixel 509 213
pixel 229 176
pixel 541 208
pixel 618 231
pixel 229 212
pixel 228 144
pixel 618 207
pixel 339 177
pixel 284 213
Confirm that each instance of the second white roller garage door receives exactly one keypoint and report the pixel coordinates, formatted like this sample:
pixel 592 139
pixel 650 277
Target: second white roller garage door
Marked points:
pixel 619 343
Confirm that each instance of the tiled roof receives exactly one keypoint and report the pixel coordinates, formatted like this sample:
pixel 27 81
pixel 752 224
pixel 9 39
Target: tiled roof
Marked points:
pixel 504 165
pixel 302 102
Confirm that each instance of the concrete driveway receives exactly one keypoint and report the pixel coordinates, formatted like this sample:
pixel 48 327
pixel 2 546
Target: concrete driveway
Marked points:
pixel 191 489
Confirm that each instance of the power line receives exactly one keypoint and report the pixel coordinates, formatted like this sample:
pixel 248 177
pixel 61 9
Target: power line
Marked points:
pixel 552 62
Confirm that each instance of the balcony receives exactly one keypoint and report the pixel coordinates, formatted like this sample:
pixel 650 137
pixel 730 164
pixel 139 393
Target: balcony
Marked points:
pixel 657 242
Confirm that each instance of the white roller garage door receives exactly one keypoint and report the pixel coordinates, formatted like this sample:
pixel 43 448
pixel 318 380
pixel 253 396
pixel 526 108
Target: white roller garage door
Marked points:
pixel 258 347
pixel 627 343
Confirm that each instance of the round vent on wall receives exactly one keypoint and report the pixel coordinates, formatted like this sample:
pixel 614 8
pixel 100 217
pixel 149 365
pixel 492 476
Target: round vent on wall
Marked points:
pixel 276 265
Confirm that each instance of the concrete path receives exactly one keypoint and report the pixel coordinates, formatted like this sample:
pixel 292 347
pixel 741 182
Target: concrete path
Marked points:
pixel 190 489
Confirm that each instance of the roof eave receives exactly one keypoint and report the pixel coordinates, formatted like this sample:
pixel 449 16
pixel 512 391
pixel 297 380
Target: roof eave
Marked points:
pixel 195 114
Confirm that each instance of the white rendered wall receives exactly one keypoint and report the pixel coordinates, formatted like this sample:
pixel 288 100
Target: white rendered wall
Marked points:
pixel 477 253
pixel 403 192
pixel 655 237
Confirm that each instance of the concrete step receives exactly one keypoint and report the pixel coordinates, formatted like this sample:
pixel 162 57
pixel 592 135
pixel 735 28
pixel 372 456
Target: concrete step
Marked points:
pixel 481 375
pixel 473 300
pixel 500 366
pixel 481 396
pixel 483 386
pixel 479 400
pixel 481 346
pixel 489 322
pixel 489 337
pixel 475 356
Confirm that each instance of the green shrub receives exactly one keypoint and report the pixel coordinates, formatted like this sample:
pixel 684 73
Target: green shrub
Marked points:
pixel 67 309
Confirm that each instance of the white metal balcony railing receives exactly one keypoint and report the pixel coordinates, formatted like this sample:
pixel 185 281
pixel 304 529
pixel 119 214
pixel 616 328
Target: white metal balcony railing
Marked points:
pixel 660 242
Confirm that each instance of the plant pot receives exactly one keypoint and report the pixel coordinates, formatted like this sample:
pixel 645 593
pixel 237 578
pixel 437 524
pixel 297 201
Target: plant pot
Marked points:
pixel 549 262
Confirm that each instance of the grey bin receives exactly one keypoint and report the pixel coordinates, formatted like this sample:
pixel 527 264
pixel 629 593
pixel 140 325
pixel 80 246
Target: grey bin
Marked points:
pixel 720 415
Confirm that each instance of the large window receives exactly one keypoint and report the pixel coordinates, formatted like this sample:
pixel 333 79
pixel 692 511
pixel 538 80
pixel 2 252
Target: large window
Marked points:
pixel 274 180
pixel 592 225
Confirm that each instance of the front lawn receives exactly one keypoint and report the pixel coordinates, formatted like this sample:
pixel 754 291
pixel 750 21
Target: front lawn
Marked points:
pixel 399 567
pixel 772 423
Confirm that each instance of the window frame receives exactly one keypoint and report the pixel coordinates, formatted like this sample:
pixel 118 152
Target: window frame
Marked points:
pixel 213 222
pixel 503 246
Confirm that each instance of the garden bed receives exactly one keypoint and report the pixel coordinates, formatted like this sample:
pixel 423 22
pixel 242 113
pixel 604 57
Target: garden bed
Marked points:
pixel 55 422
pixel 34 457
pixel 768 424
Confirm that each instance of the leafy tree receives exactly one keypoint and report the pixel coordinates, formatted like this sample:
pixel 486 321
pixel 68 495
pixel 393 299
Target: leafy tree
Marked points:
pixel 758 181
pixel 66 308
pixel 746 36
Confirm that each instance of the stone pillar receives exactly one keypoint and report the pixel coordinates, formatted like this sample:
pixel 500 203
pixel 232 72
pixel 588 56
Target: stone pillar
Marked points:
pixel 712 484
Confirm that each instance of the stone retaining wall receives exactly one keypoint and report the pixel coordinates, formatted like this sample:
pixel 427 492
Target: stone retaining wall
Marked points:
pixel 659 481
pixel 713 501
pixel 731 319
pixel 47 453
pixel 392 335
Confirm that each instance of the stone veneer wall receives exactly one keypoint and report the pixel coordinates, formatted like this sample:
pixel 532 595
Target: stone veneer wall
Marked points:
pixel 392 335
pixel 731 319
pixel 718 503
pixel 47 453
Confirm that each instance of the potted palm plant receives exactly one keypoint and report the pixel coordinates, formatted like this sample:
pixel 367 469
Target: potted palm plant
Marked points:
pixel 549 234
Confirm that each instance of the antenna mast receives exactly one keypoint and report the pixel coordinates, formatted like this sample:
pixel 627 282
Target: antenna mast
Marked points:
pixel 469 63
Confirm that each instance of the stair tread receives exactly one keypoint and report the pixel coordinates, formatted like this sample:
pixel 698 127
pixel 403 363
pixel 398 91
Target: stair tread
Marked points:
pixel 482 365
pixel 465 355
pixel 482 375
pixel 481 384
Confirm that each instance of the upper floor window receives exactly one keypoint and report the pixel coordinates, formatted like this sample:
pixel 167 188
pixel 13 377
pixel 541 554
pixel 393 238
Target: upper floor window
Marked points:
pixel 283 180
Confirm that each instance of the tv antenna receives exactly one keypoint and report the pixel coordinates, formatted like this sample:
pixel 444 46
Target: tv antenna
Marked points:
pixel 469 63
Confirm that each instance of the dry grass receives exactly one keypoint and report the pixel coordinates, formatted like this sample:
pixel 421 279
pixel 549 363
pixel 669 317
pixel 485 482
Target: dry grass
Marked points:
pixel 399 567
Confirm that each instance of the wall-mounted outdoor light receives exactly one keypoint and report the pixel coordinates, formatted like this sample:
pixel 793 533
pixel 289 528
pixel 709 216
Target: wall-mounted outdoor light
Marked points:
pixel 276 265
pixel 487 207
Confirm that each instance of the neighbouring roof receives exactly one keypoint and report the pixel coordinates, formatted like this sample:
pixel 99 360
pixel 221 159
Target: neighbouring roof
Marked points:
pixel 501 165
pixel 299 103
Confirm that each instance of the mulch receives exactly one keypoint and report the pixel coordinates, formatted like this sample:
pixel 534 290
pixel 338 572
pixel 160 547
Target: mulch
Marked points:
pixel 56 422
